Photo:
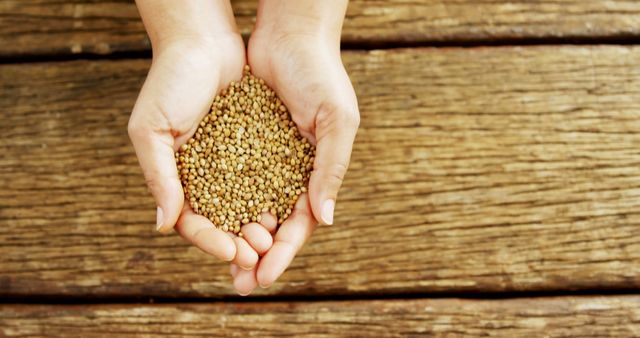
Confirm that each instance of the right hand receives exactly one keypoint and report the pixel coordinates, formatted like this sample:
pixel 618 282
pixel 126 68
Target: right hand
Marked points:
pixel 185 75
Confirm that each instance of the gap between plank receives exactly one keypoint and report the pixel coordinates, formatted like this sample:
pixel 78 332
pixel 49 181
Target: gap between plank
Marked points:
pixel 351 46
pixel 36 299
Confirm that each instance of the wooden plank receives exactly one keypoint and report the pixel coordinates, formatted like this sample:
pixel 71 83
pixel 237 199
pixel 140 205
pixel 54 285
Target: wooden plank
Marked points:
pixel 552 317
pixel 87 26
pixel 482 169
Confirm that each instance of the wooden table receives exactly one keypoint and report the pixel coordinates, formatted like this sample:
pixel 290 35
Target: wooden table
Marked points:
pixel 494 186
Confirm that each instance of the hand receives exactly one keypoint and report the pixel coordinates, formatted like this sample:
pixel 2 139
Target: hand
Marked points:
pixel 306 71
pixel 185 75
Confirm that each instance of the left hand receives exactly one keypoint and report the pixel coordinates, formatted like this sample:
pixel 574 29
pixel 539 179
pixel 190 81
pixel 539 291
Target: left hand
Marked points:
pixel 305 70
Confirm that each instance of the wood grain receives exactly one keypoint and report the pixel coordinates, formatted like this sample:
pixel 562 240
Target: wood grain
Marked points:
pixel 103 27
pixel 617 316
pixel 475 169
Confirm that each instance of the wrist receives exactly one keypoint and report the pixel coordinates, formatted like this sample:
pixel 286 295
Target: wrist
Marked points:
pixel 186 41
pixel 169 22
pixel 313 19
pixel 291 35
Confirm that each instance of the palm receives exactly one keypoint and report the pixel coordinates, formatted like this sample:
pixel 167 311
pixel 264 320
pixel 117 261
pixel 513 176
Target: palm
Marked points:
pixel 311 81
pixel 305 73
pixel 182 82
pixel 186 78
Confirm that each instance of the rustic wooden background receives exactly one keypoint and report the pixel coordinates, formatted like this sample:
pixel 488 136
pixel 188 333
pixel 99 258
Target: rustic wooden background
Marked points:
pixel 494 186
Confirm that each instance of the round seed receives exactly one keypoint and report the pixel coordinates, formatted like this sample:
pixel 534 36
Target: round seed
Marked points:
pixel 246 157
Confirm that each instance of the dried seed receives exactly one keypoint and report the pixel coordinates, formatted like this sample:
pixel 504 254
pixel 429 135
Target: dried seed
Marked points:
pixel 246 157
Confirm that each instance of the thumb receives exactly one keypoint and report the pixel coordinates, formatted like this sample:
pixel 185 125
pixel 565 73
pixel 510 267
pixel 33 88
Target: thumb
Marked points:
pixel 155 153
pixel 335 132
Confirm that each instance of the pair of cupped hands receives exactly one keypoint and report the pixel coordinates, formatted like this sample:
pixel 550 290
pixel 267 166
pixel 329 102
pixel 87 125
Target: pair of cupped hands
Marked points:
pixel 186 73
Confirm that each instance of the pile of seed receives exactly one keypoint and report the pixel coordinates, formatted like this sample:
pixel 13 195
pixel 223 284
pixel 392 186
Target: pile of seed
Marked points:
pixel 246 157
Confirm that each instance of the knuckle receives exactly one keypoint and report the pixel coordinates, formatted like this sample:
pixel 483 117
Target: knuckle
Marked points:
pixel 152 184
pixel 335 173
pixel 134 129
pixel 195 233
pixel 353 120
pixel 331 113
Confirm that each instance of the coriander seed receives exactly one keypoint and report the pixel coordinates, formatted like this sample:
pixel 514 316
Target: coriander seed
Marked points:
pixel 246 157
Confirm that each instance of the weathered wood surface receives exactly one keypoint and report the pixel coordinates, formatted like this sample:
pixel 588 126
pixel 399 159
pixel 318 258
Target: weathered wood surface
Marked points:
pixel 482 169
pixel 549 317
pixel 87 26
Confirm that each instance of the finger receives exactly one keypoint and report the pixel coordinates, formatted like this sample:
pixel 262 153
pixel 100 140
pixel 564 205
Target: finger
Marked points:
pixel 155 153
pixel 258 237
pixel 245 281
pixel 289 239
pixel 335 133
pixel 269 222
pixel 246 256
pixel 200 232
pixel 233 270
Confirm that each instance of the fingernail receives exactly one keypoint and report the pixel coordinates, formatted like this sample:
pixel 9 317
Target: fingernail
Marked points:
pixel 159 215
pixel 263 286
pixel 327 211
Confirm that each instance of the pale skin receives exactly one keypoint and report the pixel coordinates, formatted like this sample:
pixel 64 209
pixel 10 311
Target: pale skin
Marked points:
pixel 197 51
